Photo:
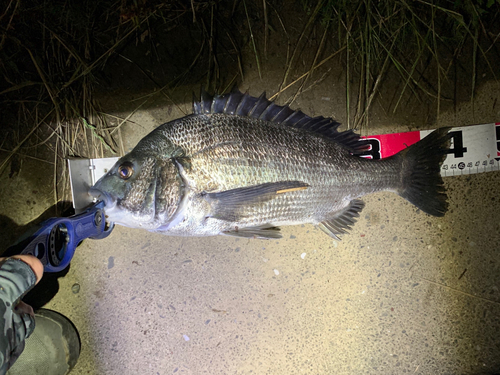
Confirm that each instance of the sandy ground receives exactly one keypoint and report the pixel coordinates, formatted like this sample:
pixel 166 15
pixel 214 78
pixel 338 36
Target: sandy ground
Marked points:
pixel 403 293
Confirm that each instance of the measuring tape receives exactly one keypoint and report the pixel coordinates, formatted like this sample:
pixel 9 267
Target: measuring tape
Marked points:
pixel 474 149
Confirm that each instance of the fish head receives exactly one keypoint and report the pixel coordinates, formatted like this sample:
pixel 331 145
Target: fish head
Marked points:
pixel 140 191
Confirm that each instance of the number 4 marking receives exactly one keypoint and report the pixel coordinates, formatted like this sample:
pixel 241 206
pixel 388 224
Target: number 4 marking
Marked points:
pixel 458 149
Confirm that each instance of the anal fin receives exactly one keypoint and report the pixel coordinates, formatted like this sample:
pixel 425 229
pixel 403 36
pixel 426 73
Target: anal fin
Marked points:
pixel 342 221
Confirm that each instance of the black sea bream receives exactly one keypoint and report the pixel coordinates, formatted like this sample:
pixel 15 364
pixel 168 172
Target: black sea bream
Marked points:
pixel 244 166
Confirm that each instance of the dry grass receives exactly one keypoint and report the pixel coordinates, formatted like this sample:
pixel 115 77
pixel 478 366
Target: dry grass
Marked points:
pixel 424 42
pixel 52 54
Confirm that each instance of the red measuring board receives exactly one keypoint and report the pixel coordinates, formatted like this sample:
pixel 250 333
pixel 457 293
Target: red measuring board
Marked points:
pixel 474 149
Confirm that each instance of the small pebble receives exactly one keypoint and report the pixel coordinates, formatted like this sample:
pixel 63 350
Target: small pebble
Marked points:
pixel 75 288
pixel 303 255
pixel 185 337
pixel 276 272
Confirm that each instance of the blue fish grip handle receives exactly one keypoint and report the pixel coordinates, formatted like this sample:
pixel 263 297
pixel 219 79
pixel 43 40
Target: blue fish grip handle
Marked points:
pixel 55 240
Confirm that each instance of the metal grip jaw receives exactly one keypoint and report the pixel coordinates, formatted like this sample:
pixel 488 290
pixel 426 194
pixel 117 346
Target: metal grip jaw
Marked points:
pixel 55 241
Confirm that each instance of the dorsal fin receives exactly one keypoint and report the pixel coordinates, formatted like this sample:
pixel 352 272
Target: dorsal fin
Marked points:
pixel 239 104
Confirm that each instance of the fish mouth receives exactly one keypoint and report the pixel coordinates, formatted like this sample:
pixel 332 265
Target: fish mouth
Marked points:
pixel 109 201
pixel 112 210
pixel 116 213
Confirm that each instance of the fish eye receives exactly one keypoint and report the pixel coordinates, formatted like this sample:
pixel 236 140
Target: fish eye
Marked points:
pixel 125 170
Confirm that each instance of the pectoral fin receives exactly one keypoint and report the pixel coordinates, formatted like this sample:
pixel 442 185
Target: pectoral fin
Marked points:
pixel 231 205
pixel 343 219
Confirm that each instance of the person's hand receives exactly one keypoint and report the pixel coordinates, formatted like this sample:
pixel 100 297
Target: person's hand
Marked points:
pixel 32 261
pixel 18 274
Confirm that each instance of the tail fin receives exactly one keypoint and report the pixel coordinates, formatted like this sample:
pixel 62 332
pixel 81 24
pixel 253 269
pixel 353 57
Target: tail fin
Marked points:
pixel 422 184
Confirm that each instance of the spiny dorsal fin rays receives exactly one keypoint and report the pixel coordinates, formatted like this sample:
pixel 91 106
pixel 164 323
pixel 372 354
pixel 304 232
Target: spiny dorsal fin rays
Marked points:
pixel 204 106
pixel 196 105
pixel 237 103
pixel 260 104
pixel 233 102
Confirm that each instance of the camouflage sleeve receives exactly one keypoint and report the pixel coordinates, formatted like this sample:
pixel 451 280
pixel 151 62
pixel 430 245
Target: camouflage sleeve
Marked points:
pixel 16 279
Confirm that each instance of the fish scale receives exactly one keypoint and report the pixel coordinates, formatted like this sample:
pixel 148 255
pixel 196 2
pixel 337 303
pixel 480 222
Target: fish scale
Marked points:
pixel 244 166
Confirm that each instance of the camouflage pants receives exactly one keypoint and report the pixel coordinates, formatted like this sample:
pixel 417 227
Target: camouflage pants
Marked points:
pixel 16 320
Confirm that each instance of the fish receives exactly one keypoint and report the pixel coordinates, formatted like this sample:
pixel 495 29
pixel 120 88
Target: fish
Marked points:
pixel 244 166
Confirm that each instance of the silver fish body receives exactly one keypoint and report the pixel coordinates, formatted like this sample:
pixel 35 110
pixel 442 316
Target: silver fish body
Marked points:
pixel 244 166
